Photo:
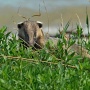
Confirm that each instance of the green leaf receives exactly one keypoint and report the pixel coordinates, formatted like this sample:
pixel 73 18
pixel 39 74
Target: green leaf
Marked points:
pixel 66 26
pixel 3 29
pixel 80 65
pixel 79 31
pixel 8 34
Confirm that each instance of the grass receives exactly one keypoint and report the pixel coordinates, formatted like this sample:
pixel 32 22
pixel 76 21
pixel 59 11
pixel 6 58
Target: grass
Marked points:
pixel 51 68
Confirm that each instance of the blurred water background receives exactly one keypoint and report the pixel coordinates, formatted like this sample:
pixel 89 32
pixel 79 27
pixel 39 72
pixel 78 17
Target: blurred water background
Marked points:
pixel 53 12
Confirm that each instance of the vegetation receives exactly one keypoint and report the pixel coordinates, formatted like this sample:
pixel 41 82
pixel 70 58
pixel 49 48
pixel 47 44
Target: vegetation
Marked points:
pixel 50 68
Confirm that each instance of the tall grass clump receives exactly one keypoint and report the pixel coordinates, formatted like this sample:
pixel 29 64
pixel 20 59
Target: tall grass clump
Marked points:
pixel 51 68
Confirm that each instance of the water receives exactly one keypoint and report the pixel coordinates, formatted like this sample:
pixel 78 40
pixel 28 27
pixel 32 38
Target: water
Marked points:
pixel 57 10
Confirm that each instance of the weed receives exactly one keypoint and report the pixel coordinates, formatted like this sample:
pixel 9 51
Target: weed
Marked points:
pixel 51 68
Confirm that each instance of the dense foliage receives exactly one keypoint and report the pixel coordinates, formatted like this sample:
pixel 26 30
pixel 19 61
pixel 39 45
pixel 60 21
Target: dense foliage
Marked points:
pixel 50 68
